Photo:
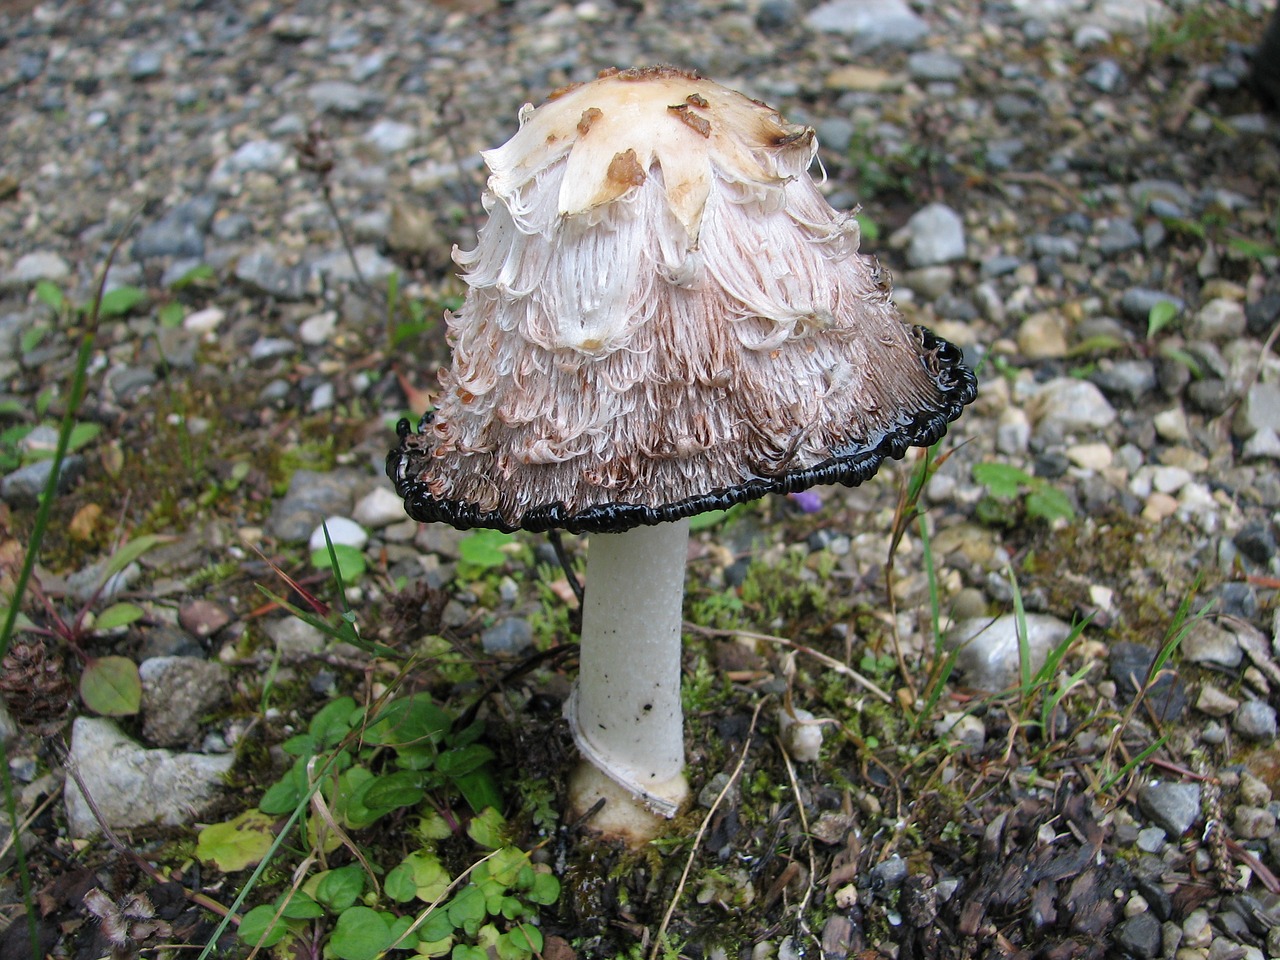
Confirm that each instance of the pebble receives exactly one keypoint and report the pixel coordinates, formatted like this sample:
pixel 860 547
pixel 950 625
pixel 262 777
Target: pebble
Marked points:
pixel 1255 720
pixel 203 618
pixel 1173 807
pixel 177 692
pixel 1105 75
pixel 510 636
pixel 1118 236
pixel 117 770
pixel 1219 319
pixel 936 235
pixel 1130 380
pixel 204 321
pixel 379 508
pixel 1137 303
pixel 1066 405
pixel 934 65
pixel 1253 823
pixel 1151 839
pixel 1139 935
pixel 341 97
pixel 1196 929
pixel 322 397
pixel 1256 541
pixel 391 136
pixel 295 640
pixel 801 736
pixel 1259 410
pixel 32 267
pixel 869 23
pixel 987 651
pixel 262 272
pixel 179 232
pixel 23 486
pixel 266 349
pixel 1043 336
pixel 310 498
pixel 1215 702
pixel 343 531
pixel 888 875
pixel 145 64
pixel 962 728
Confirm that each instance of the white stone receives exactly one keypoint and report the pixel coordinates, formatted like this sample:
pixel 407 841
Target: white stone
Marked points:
pixel 391 136
pixel 1013 432
pixel 316 330
pixel 379 508
pixel 801 735
pixel 204 321
pixel 1090 456
pixel 342 531
pixel 937 236
pixel 1071 405
pixel 133 786
pixel 988 650
pixel 1219 319
pixel 1171 425
pixel 38 265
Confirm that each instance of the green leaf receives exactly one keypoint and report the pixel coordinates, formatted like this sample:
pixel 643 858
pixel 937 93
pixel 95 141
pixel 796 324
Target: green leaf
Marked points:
pixel 464 952
pixel 171 314
pixel 200 274
pixel 436 927
pixel 31 338
pixel 128 553
pixel 361 933
pixel 408 721
pixel 467 910
pixel 118 615
pixel 338 889
pixel 705 521
pixel 1001 480
pixel 545 889
pixel 483 549
pixel 333 722
pixel 258 930
pixel 1178 355
pixel 489 829
pixel 1161 314
pixel 351 562
pixel 400 789
pixel 50 295
pixel 82 434
pixel 118 302
pixel 479 789
pixel 464 760
pixel 287 792
pixel 1049 503
pixel 521 943
pixel 300 907
pixel 110 686
pixel 238 843
pixel 419 875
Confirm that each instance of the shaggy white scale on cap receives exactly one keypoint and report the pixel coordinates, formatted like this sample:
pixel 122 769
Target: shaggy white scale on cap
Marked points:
pixel 665 316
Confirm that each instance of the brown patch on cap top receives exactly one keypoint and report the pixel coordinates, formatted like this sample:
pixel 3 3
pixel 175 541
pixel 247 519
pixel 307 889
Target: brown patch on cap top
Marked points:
pixel 625 170
pixel 589 116
pixel 700 125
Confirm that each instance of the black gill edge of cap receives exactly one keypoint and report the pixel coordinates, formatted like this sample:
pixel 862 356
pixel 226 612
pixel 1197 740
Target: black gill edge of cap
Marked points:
pixel 850 468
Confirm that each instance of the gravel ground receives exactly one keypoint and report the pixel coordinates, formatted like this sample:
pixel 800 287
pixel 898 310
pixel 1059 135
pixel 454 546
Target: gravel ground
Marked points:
pixel 1080 193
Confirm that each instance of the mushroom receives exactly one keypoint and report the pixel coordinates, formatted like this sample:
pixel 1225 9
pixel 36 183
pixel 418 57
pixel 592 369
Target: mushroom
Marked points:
pixel 664 316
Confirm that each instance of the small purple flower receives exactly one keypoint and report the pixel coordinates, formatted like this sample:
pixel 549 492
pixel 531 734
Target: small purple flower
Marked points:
pixel 809 501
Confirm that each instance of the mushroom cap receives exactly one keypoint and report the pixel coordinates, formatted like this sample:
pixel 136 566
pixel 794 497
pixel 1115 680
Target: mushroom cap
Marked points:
pixel 664 316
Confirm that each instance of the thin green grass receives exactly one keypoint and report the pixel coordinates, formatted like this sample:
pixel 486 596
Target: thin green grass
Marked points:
pixel 79 384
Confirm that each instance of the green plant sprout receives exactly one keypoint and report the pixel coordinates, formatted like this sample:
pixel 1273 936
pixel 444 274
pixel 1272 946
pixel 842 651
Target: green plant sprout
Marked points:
pixel 1004 482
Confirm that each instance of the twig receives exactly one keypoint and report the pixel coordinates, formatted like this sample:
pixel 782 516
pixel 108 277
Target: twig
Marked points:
pixel 826 661
pixel 697 840
pixel 808 845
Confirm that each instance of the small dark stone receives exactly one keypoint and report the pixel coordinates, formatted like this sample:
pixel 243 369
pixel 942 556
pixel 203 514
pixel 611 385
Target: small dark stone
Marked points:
pixel 1158 900
pixel 1139 936
pixel 1210 396
pixel 775 15
pixel 1052 465
pixel 1262 314
pixel 1238 599
pixel 1257 542
pixel 1136 303
pixel 164 640
pixel 1255 720
pixel 1174 807
pixel 24 486
pixel 888 875
pixel 1129 664
pixel 512 636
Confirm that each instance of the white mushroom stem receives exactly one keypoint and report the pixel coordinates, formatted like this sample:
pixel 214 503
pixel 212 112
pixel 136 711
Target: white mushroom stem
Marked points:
pixel 625 710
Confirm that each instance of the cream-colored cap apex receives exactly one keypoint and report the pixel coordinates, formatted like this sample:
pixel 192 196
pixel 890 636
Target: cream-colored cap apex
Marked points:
pixel 616 128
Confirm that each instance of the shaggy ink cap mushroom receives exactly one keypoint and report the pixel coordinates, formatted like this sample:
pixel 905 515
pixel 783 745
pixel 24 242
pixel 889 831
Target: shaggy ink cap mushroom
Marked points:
pixel 664 317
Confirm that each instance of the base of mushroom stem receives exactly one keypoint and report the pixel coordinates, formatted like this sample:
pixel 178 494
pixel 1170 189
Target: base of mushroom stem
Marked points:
pixel 623 815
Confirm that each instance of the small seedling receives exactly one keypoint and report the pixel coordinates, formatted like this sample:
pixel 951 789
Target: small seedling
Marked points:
pixel 1004 482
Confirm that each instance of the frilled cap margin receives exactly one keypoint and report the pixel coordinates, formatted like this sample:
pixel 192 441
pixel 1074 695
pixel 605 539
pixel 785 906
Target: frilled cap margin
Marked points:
pixel 664 316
